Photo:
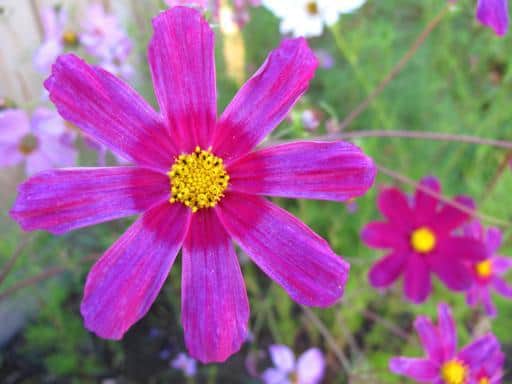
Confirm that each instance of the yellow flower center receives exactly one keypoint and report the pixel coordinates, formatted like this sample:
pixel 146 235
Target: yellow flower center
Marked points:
pixel 312 8
pixel 28 144
pixel 454 372
pixel 70 38
pixel 423 240
pixel 484 269
pixel 198 179
pixel 484 380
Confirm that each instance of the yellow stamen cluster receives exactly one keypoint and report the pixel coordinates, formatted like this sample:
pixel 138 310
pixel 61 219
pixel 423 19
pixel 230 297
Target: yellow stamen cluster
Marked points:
pixel 423 240
pixel 484 269
pixel 28 144
pixel 454 372
pixel 198 179
pixel 312 8
pixel 484 380
pixel 70 38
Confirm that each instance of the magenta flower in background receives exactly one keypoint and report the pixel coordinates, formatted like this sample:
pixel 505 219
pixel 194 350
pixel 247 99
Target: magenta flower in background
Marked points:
pixel 491 372
pixel 104 38
pixel 41 141
pixel 488 274
pixel 307 369
pixel 185 364
pixel 56 37
pixel 443 364
pixel 197 185
pixel 493 14
pixel 420 238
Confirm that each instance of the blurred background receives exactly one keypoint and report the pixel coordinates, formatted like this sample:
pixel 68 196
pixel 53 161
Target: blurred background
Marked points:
pixel 459 81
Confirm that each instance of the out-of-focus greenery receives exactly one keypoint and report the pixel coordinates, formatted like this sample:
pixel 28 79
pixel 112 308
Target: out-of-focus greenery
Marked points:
pixel 458 82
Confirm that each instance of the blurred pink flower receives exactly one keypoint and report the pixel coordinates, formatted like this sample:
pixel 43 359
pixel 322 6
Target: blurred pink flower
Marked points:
pixel 310 119
pixel 421 241
pixel 42 142
pixel 488 274
pixel 307 369
pixel 443 364
pixel 241 12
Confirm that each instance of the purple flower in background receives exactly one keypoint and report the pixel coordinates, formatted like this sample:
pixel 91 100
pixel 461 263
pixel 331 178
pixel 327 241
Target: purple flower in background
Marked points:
pixel 491 372
pixel 307 369
pixel 488 274
pixel 443 364
pixel 198 184
pixel 325 59
pixel 42 141
pixel 493 14
pixel 185 364
pixel 56 38
pixel 310 119
pixel 104 38
pixel 419 235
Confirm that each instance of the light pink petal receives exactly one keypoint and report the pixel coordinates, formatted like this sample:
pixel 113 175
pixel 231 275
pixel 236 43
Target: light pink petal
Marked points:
pixel 426 204
pixel 285 249
pixel 430 338
pixel 493 14
pixel 36 162
pixel 502 287
pixel 452 272
pixel 311 367
pixel 265 100
pixel 461 249
pixel 110 111
pixel 421 370
pixel 417 285
pixel 378 234
pixel 393 204
pixel 447 330
pixel 61 200
pixel 14 124
pixel 215 308
pixel 450 218
pixel 10 155
pixel 312 170
pixel 493 239
pixel 275 376
pixel 182 63
pixel 385 271
pixel 282 357
pixel 125 281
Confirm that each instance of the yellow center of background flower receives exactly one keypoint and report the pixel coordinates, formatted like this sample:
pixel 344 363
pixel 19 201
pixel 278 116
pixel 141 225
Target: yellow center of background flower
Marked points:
pixel 423 240
pixel 484 380
pixel 28 144
pixel 70 38
pixel 312 8
pixel 484 268
pixel 198 180
pixel 454 372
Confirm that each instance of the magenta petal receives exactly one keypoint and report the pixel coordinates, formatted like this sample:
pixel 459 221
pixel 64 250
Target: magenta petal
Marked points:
pixel 385 271
pixel 462 249
pixel 215 308
pixel 430 338
pixel 393 204
pixel 421 370
pixel 285 249
pixel 502 287
pixel 265 100
pixel 378 234
pixel 452 272
pixel 493 239
pixel 450 217
pixel 417 283
pixel 182 62
pixel 312 170
pixel 501 265
pixel 493 14
pixel 425 204
pixel 110 111
pixel 477 353
pixel 61 200
pixel 125 281
pixel 447 330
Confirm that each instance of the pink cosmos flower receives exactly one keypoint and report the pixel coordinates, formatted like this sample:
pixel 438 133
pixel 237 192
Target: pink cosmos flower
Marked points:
pixel 443 364
pixel 197 185
pixel 488 274
pixel 42 141
pixel 493 14
pixel 308 369
pixel 491 372
pixel 420 238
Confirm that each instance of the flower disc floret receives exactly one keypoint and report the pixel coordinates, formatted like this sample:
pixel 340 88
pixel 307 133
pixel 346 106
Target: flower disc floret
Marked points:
pixel 484 269
pixel 198 179
pixel 423 240
pixel 454 372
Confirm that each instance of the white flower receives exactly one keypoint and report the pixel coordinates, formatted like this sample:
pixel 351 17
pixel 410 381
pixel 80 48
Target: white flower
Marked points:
pixel 308 17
